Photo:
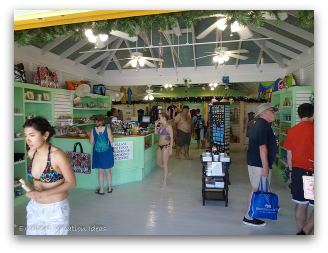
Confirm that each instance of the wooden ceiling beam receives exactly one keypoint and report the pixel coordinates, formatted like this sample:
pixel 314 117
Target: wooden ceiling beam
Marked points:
pixel 282 39
pixel 293 30
pixel 104 55
pixel 274 55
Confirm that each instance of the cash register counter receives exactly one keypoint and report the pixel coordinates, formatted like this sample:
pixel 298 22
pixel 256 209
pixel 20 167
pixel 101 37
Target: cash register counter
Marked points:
pixel 135 157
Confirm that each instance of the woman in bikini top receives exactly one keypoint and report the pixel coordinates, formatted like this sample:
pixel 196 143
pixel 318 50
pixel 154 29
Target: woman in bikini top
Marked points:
pixel 165 132
pixel 50 169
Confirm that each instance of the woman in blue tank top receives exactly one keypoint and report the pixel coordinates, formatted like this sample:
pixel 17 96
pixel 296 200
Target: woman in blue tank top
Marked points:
pixel 102 156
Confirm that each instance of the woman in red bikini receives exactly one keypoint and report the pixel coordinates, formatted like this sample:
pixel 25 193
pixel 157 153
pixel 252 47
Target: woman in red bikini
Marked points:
pixel 165 131
pixel 52 176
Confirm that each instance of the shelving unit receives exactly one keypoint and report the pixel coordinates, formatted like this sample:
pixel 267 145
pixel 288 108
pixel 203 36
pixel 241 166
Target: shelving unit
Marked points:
pixel 215 187
pixel 219 125
pixel 19 162
pixel 37 102
pixel 286 118
pixel 41 105
pixel 92 109
pixel 92 106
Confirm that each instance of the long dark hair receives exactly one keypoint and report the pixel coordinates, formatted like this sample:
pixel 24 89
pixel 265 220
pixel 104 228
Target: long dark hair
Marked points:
pixel 40 124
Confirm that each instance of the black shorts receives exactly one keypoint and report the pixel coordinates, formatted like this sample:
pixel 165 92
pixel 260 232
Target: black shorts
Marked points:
pixel 297 186
pixel 182 138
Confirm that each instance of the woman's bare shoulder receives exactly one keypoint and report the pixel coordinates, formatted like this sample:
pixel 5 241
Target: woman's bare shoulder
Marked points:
pixel 57 152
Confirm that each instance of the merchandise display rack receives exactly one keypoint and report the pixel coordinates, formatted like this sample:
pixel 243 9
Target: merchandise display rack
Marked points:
pixel 287 101
pixel 215 187
pixel 33 100
pixel 219 125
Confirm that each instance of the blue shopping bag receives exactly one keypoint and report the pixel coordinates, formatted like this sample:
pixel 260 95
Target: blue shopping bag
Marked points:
pixel 264 204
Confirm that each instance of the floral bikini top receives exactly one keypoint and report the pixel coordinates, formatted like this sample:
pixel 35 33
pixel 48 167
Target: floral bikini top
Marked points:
pixel 49 175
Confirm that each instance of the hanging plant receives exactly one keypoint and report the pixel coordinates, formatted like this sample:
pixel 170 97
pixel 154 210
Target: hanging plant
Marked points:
pixel 161 22
pixel 195 100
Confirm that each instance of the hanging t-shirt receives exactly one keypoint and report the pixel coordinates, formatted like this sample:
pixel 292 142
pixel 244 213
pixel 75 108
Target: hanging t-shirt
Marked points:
pixel 154 113
pixel 141 113
pixel 129 96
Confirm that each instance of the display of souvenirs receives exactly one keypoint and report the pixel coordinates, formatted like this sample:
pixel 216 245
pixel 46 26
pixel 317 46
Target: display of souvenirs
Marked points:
pixel 45 78
pixel 19 73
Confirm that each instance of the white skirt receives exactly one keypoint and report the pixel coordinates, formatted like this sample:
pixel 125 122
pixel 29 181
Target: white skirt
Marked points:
pixel 47 219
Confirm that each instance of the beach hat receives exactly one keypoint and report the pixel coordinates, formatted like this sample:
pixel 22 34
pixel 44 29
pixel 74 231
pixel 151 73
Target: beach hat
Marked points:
pixel 263 107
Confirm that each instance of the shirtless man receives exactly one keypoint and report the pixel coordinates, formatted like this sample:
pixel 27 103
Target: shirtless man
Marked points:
pixel 183 125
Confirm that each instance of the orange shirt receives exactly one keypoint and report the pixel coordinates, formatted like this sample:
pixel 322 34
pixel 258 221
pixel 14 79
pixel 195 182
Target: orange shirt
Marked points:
pixel 300 141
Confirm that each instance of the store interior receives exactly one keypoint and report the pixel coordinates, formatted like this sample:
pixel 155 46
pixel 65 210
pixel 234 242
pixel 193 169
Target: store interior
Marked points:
pixel 75 65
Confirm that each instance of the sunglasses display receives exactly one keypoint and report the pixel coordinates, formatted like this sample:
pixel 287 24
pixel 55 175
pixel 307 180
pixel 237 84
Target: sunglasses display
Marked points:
pixel 219 117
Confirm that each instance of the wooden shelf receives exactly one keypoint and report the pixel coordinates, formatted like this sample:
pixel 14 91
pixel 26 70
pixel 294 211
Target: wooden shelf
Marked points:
pixel 37 102
pixel 19 139
pixel 85 124
pixel 91 109
pixel 18 114
pixel 19 162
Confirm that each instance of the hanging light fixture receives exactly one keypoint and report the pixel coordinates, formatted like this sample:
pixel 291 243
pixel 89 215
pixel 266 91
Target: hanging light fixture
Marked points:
pixel 222 24
pixel 149 97
pixel 99 40
pixel 235 27
pixel 221 58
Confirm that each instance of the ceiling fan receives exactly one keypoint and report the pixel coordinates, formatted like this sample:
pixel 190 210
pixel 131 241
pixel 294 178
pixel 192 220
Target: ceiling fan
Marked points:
pixel 137 60
pixel 222 54
pixel 150 93
pixel 243 32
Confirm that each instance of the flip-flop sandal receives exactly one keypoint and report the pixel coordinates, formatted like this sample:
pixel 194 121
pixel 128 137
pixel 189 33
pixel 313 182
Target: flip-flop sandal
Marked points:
pixel 111 190
pixel 100 193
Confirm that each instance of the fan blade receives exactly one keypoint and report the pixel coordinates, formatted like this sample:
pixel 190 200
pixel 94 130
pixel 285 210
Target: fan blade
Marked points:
pixel 149 64
pixel 124 35
pixel 126 65
pixel 241 57
pixel 209 29
pixel 204 56
pixel 237 51
pixel 153 59
pixel 124 59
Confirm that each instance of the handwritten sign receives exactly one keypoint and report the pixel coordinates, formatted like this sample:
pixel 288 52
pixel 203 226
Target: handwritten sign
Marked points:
pixel 123 150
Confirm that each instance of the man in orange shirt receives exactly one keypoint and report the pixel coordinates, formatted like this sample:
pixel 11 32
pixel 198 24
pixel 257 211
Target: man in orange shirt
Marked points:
pixel 300 158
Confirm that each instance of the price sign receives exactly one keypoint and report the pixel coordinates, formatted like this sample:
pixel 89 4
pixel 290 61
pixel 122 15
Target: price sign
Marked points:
pixel 123 150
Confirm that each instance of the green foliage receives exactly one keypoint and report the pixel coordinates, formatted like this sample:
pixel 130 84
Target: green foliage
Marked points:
pixel 306 18
pixel 145 23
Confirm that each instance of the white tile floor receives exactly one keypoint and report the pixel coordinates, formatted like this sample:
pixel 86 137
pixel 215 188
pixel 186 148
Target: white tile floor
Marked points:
pixel 142 208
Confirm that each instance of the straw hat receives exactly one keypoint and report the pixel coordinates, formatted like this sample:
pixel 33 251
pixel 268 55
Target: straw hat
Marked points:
pixel 264 107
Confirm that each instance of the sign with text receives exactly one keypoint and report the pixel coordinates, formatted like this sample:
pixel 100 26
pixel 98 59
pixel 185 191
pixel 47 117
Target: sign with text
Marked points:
pixel 123 150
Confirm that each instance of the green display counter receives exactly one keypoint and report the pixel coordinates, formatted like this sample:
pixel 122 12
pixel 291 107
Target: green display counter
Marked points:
pixel 135 157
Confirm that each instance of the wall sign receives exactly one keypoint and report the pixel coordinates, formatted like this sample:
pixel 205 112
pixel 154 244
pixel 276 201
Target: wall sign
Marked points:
pixel 123 150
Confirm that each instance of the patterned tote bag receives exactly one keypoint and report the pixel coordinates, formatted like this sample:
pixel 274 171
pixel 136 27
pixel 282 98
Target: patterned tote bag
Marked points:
pixel 81 162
